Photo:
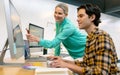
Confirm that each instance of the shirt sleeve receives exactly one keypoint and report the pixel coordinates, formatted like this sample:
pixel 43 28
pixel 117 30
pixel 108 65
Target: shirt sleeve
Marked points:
pixel 55 43
pixel 103 58
pixel 66 32
pixel 57 50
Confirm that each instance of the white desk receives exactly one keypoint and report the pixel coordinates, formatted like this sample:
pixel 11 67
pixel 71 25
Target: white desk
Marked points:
pixel 40 70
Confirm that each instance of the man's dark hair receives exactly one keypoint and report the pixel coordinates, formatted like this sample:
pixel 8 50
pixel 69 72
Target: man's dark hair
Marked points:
pixel 92 10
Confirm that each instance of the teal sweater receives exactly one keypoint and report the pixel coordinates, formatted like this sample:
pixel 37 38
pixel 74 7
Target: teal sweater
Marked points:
pixel 71 37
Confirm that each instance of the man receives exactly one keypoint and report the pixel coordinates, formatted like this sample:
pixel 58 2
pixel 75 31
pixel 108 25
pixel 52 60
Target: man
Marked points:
pixel 100 55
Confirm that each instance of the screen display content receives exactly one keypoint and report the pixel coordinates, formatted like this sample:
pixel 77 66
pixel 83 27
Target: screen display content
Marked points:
pixel 37 31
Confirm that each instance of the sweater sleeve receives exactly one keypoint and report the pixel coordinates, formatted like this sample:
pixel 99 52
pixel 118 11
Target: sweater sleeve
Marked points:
pixel 55 43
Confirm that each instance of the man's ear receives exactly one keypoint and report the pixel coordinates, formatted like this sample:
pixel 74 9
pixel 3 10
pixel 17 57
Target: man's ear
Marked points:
pixel 92 17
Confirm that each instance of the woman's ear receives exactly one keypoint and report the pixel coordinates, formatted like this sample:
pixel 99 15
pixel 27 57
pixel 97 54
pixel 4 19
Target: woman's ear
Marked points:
pixel 66 15
pixel 92 17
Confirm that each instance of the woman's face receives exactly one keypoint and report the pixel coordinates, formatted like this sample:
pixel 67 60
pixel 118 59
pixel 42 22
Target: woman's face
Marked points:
pixel 59 14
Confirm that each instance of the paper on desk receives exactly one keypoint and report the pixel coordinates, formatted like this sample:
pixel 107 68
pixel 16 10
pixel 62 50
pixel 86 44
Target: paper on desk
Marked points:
pixel 52 71
pixel 42 69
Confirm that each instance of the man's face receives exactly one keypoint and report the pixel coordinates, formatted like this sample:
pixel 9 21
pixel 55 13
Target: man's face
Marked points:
pixel 83 19
pixel 59 14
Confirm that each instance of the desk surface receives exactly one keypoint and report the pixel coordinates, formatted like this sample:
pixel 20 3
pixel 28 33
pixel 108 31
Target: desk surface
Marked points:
pixel 19 70
pixel 9 70
pixel 14 70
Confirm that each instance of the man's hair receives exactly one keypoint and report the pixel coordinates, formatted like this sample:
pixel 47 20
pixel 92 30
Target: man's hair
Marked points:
pixel 92 9
pixel 64 7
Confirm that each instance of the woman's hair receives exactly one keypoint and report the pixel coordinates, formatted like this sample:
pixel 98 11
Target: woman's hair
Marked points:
pixel 64 7
pixel 92 10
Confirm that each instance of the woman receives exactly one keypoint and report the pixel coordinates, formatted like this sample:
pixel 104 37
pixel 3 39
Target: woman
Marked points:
pixel 66 33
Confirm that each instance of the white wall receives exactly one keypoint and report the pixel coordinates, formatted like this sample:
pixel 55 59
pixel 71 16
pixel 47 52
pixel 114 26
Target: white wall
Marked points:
pixel 3 31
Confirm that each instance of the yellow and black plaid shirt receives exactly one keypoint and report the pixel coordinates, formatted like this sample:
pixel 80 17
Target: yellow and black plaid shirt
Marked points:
pixel 100 55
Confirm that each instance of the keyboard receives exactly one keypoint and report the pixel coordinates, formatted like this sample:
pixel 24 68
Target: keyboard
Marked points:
pixel 38 58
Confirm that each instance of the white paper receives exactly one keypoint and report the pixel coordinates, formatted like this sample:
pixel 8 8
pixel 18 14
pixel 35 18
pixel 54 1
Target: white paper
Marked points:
pixel 51 71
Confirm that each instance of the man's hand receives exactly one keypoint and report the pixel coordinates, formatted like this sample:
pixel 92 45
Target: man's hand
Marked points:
pixel 57 62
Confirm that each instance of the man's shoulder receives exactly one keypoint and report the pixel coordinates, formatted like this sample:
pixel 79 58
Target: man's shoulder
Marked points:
pixel 101 32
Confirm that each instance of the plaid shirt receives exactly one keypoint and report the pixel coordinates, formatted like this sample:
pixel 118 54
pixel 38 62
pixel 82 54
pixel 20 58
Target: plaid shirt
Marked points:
pixel 101 57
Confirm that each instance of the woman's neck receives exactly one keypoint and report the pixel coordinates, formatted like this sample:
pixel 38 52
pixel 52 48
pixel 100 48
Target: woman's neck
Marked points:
pixel 60 22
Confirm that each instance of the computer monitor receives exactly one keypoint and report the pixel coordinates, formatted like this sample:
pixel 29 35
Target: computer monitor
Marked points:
pixel 37 31
pixel 15 40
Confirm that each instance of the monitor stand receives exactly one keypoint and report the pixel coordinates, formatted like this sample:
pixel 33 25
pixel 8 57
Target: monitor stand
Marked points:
pixel 3 53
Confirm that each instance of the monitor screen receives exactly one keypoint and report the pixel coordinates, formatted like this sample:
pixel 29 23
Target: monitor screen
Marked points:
pixel 18 44
pixel 37 31
pixel 15 38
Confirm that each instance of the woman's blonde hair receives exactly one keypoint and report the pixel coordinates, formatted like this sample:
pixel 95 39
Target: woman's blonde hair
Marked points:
pixel 64 7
